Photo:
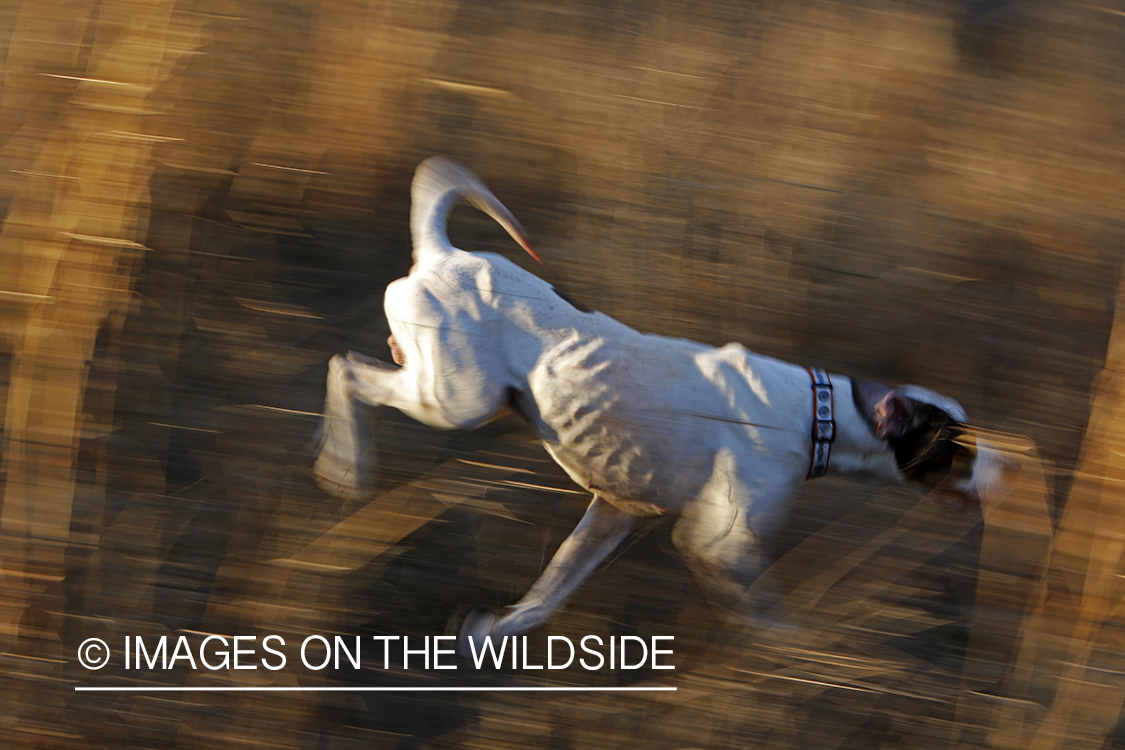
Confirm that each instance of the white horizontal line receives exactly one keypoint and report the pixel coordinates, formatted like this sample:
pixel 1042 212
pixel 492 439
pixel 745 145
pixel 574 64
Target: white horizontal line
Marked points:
pixel 287 169
pixel 657 101
pixel 248 689
pixel 90 80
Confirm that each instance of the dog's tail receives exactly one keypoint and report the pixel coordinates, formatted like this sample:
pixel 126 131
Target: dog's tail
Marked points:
pixel 438 183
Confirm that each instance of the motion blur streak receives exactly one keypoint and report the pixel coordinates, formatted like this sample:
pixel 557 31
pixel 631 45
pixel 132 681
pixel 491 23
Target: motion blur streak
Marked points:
pixel 202 202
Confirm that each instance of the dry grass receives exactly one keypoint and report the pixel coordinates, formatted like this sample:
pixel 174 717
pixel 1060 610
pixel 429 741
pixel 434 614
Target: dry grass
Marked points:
pixel 202 203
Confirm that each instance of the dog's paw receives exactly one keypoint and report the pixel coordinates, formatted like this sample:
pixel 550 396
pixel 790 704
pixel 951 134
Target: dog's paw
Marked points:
pixel 342 477
pixel 471 628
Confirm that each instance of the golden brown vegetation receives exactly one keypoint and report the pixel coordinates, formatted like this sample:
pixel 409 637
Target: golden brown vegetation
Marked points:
pixel 203 201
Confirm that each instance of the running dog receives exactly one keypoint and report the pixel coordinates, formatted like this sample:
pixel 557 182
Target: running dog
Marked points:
pixel 720 437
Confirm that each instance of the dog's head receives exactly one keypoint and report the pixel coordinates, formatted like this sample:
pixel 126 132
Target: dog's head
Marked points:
pixel 934 445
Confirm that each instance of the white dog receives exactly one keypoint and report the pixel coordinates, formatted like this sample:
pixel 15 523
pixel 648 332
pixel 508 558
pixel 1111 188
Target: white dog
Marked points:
pixel 650 425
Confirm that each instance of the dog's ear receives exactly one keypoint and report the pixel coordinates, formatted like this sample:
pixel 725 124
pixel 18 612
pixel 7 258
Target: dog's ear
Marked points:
pixel 890 413
pixel 894 415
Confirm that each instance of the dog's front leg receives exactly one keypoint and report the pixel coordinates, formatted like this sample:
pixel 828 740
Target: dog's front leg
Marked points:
pixel 597 534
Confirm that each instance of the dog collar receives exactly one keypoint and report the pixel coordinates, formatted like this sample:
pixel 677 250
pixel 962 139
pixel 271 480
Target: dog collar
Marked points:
pixel 824 422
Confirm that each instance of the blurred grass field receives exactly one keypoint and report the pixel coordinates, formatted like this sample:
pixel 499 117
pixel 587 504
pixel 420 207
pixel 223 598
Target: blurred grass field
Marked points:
pixel 202 202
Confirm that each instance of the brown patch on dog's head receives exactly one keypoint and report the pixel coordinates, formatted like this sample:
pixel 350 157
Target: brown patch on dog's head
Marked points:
pixel 924 429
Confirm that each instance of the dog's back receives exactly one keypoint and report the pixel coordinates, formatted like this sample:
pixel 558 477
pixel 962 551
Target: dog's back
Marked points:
pixel 639 418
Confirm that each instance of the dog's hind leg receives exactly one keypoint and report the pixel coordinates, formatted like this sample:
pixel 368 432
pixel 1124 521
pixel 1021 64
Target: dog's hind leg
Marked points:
pixel 346 464
pixel 422 390
pixel 597 534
